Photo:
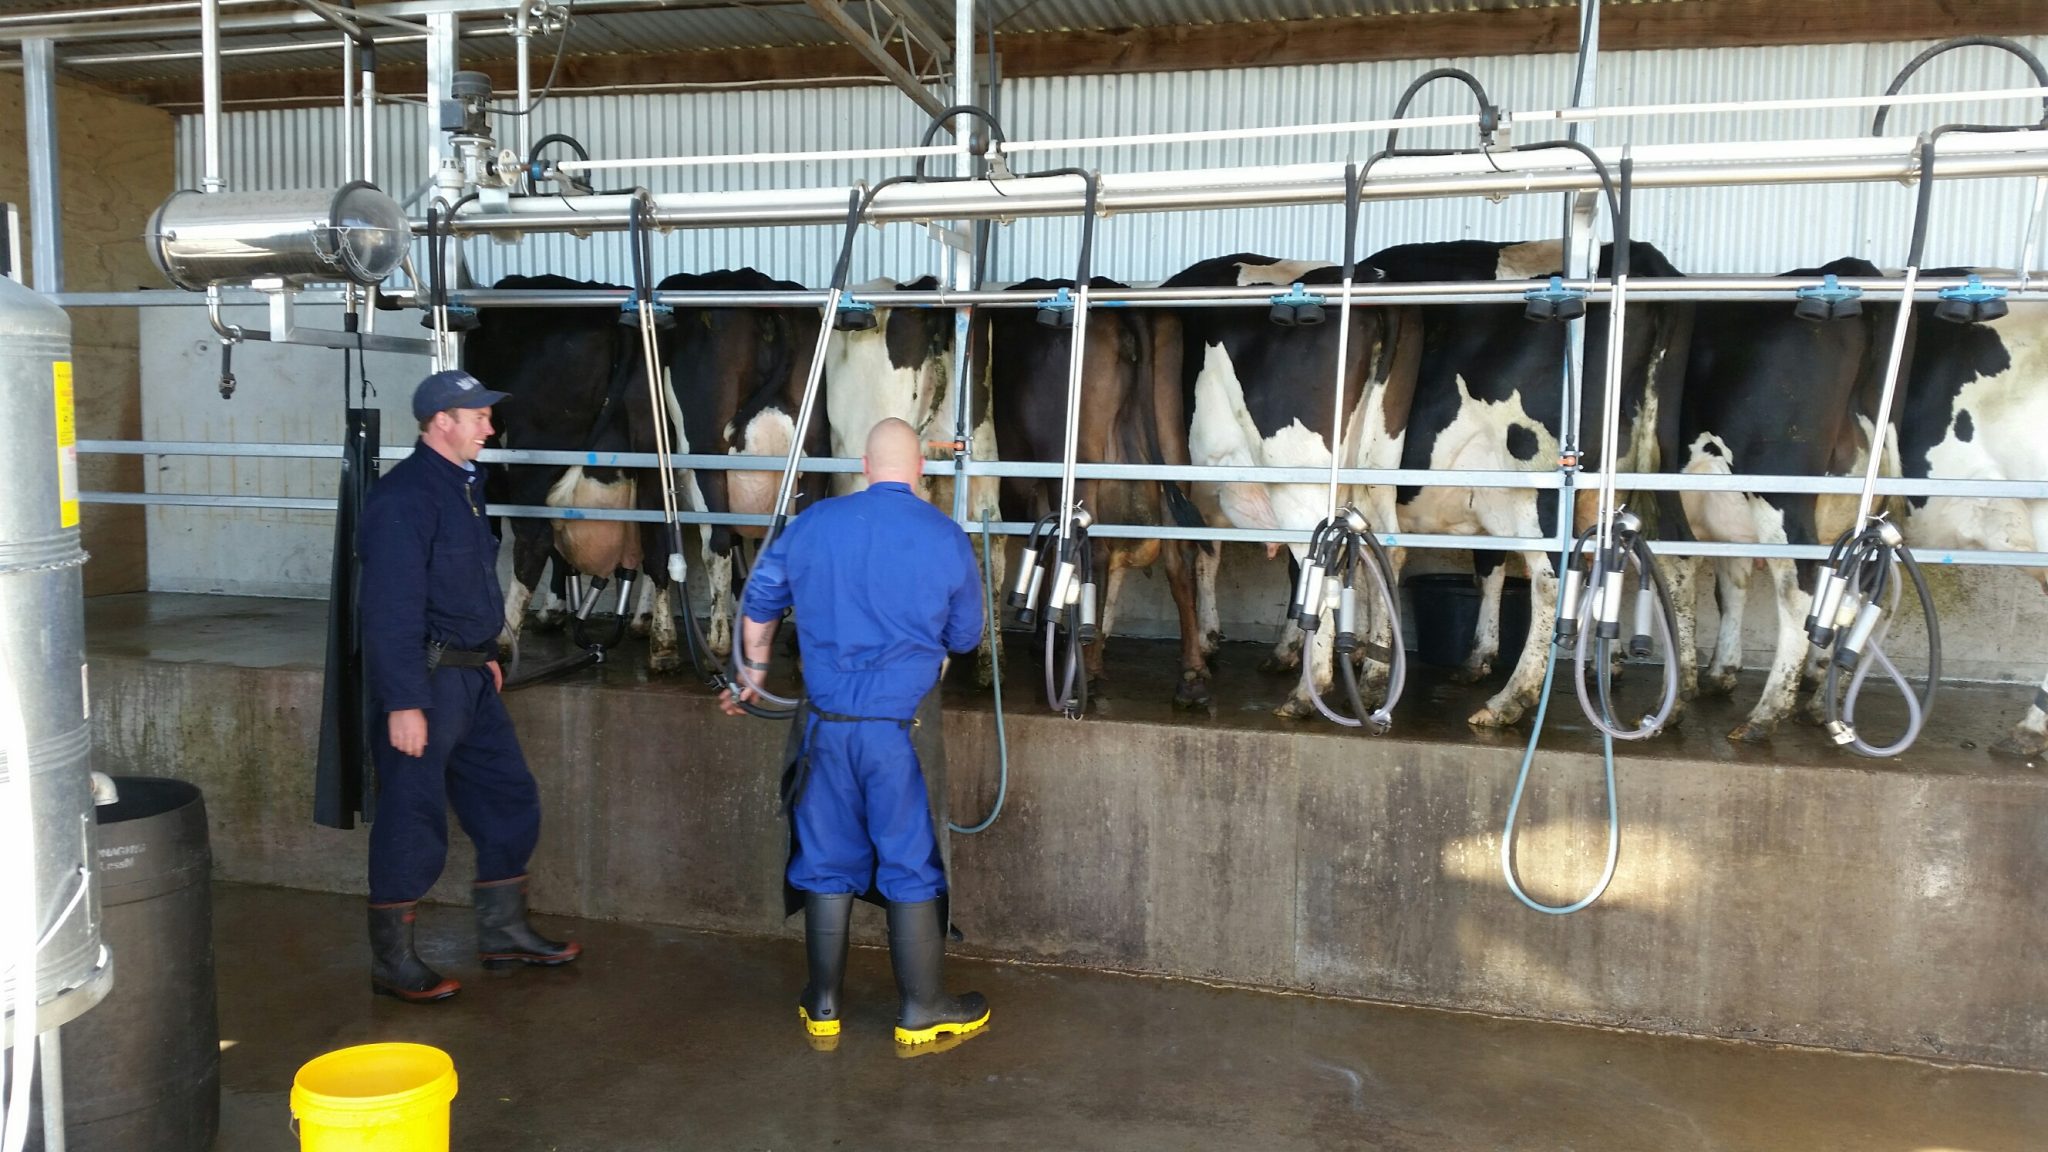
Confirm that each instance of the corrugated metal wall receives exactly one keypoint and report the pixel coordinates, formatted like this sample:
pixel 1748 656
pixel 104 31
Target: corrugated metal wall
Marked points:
pixel 1729 230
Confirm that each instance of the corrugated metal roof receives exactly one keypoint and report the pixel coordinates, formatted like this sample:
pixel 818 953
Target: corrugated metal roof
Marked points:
pixel 760 23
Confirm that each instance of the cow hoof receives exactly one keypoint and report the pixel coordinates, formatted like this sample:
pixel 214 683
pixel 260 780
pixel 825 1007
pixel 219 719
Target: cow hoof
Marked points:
pixel 2021 744
pixel 985 674
pixel 1752 732
pixel 1295 707
pixel 1211 641
pixel 1719 682
pixel 641 624
pixel 1193 693
pixel 1497 715
pixel 547 619
pixel 662 663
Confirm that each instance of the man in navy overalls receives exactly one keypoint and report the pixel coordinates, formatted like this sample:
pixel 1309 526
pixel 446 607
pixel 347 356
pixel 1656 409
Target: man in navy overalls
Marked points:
pixel 884 586
pixel 432 610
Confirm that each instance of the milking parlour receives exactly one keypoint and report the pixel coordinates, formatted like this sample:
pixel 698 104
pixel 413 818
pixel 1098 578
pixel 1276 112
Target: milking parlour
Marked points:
pixel 1037 574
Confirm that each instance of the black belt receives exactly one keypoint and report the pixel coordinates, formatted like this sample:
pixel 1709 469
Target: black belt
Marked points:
pixel 796 773
pixel 441 656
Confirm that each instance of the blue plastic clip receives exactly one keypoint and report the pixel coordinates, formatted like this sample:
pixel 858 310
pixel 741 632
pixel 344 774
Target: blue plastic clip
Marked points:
pixel 1057 310
pixel 854 315
pixel 1827 300
pixel 1971 302
pixel 1297 295
pixel 1554 301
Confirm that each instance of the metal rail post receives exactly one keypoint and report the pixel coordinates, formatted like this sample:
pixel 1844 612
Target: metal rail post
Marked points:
pixel 46 236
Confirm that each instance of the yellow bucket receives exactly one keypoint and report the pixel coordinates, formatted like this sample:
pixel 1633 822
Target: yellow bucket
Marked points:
pixel 375 1098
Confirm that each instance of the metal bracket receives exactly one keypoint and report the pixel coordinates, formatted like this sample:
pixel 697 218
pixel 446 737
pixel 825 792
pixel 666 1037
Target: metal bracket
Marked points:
pixel 895 23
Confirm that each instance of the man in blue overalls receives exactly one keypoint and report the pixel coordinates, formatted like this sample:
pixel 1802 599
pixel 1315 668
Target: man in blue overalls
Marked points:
pixel 432 610
pixel 884 586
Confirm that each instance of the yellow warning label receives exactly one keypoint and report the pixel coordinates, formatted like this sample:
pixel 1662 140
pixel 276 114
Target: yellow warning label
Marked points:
pixel 67 447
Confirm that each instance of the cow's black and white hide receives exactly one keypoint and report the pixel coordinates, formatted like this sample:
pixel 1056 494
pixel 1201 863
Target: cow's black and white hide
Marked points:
pixel 1770 394
pixel 1488 397
pixel 1457 386
pixel 736 379
pixel 1976 408
pixel 1261 395
pixel 577 383
pixel 1131 413
pixel 903 368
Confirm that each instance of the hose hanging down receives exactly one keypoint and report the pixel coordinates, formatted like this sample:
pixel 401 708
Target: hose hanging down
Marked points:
pixel 1860 587
pixel 1338 550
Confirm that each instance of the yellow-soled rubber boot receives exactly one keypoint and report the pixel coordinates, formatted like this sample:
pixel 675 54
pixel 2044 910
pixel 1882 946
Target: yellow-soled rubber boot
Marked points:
pixel 825 918
pixel 917 948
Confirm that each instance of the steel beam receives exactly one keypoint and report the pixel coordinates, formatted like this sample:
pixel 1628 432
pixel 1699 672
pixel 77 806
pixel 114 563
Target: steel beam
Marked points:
pixel 46 217
pixel 875 51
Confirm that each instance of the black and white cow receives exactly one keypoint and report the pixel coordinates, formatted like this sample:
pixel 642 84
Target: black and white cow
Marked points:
pixel 577 383
pixel 1767 393
pixel 1131 413
pixel 903 367
pixel 1453 386
pixel 1976 408
pixel 735 382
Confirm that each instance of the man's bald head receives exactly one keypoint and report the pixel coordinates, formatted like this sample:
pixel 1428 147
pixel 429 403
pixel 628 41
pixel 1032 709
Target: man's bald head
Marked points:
pixel 893 454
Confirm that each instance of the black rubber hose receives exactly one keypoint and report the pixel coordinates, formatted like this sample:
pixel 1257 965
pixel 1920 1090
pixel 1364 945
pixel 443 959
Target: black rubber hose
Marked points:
pixel 2026 57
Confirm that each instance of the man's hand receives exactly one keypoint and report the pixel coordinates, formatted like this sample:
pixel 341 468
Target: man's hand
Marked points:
pixel 497 676
pixel 409 731
pixel 730 706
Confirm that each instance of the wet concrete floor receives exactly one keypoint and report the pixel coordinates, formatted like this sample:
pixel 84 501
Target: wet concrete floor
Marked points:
pixel 667 1039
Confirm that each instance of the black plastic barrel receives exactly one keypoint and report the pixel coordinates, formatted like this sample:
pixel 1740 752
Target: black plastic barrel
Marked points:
pixel 1444 607
pixel 142 1069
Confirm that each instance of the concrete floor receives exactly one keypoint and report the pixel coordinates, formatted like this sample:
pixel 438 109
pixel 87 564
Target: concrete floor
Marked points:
pixel 668 1039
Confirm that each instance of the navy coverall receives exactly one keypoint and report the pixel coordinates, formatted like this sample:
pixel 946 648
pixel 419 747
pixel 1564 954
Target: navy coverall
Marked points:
pixel 884 585
pixel 429 572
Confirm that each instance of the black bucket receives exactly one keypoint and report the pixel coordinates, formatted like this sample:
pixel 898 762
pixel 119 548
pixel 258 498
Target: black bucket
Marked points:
pixel 1444 607
pixel 142 1069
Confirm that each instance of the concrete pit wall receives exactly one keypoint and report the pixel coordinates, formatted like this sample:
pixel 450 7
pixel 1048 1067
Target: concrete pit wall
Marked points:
pixel 1848 906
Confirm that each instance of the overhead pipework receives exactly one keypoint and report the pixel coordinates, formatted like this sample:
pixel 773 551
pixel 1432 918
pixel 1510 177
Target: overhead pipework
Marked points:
pixel 291 239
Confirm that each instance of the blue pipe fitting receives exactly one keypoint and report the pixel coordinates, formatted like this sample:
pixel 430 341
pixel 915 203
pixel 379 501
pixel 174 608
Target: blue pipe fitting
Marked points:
pixel 1297 307
pixel 1828 300
pixel 854 315
pixel 1057 310
pixel 1554 302
pixel 1973 302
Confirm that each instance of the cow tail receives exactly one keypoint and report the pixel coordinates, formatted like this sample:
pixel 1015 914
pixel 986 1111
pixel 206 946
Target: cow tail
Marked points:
pixel 1161 406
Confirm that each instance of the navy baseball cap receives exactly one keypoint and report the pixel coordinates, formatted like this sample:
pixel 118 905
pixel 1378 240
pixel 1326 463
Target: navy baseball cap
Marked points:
pixel 451 389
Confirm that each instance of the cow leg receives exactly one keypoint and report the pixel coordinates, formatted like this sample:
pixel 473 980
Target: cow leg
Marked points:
pixel 718 583
pixel 1681 576
pixel 553 597
pixel 1377 675
pixel 1493 579
pixel 1731 591
pixel 1208 620
pixel 1112 596
pixel 532 543
pixel 1781 690
pixel 1193 689
pixel 1525 683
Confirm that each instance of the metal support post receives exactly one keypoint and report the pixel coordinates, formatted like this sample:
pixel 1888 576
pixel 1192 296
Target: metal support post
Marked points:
pixel 961 257
pixel 209 75
pixel 53 1089
pixel 39 84
pixel 443 51
pixel 522 46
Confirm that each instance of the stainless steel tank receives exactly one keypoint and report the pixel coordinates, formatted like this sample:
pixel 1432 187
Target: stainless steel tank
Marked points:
pixel 42 642
pixel 323 235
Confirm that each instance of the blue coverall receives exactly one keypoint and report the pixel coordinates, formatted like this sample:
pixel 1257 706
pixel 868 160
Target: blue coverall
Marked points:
pixel 884 585
pixel 429 572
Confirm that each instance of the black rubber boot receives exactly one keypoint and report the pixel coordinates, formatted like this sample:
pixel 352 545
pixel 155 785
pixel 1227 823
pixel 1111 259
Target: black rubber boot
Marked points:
pixel 502 934
pixel 397 970
pixel 825 918
pixel 917 947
